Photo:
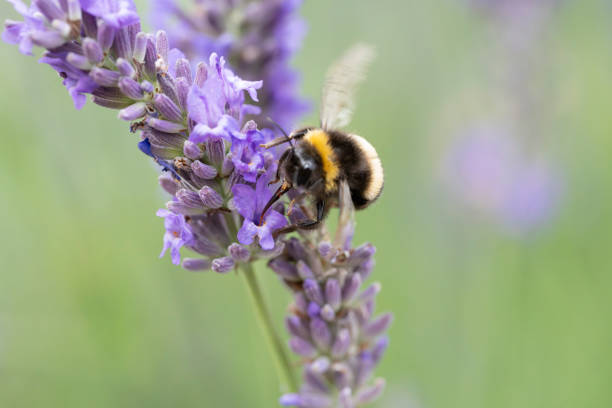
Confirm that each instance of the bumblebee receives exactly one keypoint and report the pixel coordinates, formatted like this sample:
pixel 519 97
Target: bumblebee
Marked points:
pixel 323 157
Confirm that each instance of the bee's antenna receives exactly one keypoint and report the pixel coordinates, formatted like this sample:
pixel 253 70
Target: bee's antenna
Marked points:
pixel 279 127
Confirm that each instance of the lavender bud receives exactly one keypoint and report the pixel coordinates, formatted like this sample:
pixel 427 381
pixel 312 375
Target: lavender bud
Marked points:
pixel 320 365
pixel 351 286
pixel 313 309
pixel 93 51
pixel 161 44
pixel 49 9
pixel 365 268
pixel 315 381
pixel 78 61
pixel 183 70
pixel 370 293
pixel 364 368
pixel 325 249
pixel 286 270
pixel 302 347
pixel 146 86
pixel 327 313
pixel 133 112
pixel 140 47
pixel 369 394
pixel 106 36
pixel 203 171
pixel 178 207
pixel 182 91
pixel 304 270
pixel 191 151
pixel 62 27
pixel 227 167
pixel 167 108
pixel 222 265
pixel 216 150
pixel 130 88
pixel 379 349
pixel 362 253
pixel 206 247
pixel 312 290
pixel 238 252
pixel 189 198
pixel 168 184
pixel 167 86
pixel 201 74
pixel 210 198
pixel 196 264
pixel 296 250
pixel 122 44
pixel 104 77
pixel 47 39
pixel 333 295
pixel 74 10
pixel 378 325
pixel 165 126
pixel 150 58
pixel 125 68
pixel 320 333
pixel 300 302
pixel 90 25
pixel 296 327
pixel 341 344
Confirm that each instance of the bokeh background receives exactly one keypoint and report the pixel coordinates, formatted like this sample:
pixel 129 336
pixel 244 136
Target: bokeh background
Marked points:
pixel 499 301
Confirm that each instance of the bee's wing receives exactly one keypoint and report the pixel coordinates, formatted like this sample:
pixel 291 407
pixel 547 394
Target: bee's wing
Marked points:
pixel 337 102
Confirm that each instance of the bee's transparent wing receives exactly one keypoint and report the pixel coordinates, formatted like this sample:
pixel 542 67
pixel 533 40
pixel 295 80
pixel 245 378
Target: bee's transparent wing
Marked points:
pixel 343 77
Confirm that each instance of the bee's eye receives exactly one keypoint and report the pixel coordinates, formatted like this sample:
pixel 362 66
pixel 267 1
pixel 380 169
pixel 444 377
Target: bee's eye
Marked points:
pixel 303 176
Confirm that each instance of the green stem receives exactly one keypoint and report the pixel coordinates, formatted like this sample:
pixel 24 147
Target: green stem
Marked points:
pixel 282 361
pixel 281 358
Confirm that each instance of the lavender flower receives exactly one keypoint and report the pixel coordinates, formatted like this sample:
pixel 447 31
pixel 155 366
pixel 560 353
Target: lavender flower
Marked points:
pixel 258 38
pixel 250 203
pixel 486 172
pixel 332 322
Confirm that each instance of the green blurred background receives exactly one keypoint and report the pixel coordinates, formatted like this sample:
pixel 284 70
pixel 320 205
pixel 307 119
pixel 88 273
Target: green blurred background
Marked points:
pixel 89 316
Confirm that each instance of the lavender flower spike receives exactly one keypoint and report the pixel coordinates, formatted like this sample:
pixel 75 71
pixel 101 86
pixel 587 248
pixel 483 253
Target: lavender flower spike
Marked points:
pixel 352 336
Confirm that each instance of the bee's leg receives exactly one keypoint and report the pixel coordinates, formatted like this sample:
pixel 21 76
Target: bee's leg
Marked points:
pixel 296 200
pixel 280 165
pixel 307 225
pixel 285 139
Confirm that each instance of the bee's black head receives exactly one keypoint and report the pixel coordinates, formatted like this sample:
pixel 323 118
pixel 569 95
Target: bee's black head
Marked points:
pixel 303 167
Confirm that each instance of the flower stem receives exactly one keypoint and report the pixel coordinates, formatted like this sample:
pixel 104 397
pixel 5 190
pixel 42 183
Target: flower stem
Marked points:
pixel 281 359
pixel 283 364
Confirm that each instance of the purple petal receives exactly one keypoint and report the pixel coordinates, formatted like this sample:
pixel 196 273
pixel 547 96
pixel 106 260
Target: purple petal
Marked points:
pixel 247 232
pixel 244 201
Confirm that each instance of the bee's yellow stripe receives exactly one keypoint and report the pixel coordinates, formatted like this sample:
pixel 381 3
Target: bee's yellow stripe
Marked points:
pixel 319 139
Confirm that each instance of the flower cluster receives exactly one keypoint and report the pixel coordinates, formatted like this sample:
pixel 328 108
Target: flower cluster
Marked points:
pixel 193 121
pixel 331 320
pixel 257 37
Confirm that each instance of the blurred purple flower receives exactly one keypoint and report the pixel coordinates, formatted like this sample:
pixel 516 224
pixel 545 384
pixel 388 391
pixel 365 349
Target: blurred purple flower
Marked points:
pixel 115 13
pixel 257 38
pixel 485 170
